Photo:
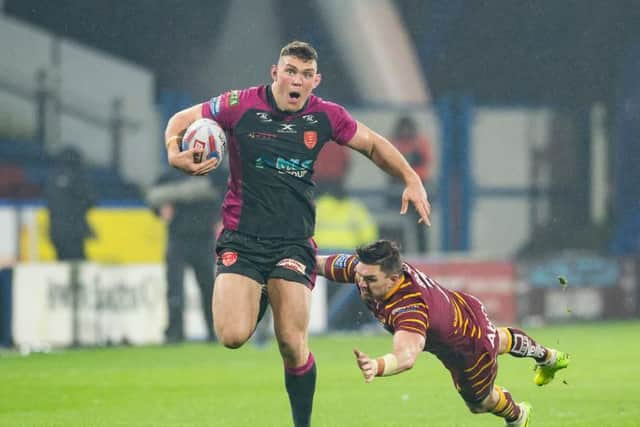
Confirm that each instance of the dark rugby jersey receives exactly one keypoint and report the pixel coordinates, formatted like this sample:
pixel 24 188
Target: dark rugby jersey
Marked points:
pixel 271 157
pixel 448 319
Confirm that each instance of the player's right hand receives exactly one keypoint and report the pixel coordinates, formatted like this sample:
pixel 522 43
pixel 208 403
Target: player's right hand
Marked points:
pixel 369 367
pixel 184 160
pixel 415 193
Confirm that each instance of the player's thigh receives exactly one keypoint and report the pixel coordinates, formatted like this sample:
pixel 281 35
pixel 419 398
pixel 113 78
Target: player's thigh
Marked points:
pixel 290 304
pixel 474 374
pixel 236 301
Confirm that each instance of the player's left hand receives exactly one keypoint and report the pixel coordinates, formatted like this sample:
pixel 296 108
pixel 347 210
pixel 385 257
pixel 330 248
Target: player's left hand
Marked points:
pixel 369 367
pixel 415 193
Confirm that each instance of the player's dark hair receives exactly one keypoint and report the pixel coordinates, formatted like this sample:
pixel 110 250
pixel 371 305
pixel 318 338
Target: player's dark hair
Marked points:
pixel 301 50
pixel 384 253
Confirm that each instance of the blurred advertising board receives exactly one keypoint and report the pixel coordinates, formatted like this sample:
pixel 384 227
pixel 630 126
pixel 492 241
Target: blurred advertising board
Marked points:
pixel 86 304
pixel 64 304
pixel 493 282
pixel 580 287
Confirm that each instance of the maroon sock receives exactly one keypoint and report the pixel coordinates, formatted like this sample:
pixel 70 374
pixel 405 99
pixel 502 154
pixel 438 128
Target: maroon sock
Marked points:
pixel 506 407
pixel 301 385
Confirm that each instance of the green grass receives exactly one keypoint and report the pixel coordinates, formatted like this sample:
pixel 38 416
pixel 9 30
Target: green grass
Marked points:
pixel 200 385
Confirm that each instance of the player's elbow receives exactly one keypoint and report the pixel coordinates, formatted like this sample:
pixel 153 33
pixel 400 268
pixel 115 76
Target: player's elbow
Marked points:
pixel 181 120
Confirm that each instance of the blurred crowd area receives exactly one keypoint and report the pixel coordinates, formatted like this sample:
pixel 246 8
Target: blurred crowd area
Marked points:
pixel 524 129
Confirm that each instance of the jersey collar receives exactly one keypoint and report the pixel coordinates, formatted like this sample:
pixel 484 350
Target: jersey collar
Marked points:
pixel 395 288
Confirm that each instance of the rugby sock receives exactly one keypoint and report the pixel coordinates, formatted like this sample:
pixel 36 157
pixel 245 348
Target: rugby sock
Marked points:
pixel 301 385
pixel 522 345
pixel 506 408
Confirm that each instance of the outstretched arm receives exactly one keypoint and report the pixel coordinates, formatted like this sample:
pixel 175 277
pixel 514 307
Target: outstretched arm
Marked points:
pixel 337 267
pixel 388 158
pixel 406 348
pixel 173 134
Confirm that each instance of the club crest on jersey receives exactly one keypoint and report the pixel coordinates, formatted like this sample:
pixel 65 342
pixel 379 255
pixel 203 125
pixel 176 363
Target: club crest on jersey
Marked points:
pixel 229 258
pixel 310 138
pixel 292 264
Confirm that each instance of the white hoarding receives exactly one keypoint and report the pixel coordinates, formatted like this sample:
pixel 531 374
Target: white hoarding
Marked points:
pixel 112 305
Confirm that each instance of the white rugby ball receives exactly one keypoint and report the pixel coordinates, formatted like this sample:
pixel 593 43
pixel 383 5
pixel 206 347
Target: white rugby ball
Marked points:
pixel 208 135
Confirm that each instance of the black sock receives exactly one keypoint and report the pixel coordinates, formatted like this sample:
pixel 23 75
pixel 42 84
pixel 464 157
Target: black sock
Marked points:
pixel 301 385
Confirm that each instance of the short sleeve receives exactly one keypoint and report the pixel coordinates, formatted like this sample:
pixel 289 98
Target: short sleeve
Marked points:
pixel 224 108
pixel 411 317
pixel 344 126
pixel 341 268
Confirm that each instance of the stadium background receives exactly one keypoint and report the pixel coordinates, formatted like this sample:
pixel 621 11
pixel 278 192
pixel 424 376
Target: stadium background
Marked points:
pixel 532 111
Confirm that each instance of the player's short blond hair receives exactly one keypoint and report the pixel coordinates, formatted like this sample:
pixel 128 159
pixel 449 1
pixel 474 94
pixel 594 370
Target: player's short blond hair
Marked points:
pixel 301 50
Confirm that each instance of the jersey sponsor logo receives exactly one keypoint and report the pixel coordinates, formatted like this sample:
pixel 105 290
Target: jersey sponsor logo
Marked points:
pixel 262 135
pixel 341 261
pixel 264 117
pixel 229 258
pixel 233 99
pixel 287 128
pixel 310 138
pixel 407 309
pixel 292 264
pixel 310 119
pixel 294 167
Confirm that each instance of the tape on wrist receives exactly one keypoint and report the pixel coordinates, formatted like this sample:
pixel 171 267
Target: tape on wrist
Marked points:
pixel 387 365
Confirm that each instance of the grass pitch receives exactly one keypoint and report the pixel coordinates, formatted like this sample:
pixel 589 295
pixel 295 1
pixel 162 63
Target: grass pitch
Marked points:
pixel 205 385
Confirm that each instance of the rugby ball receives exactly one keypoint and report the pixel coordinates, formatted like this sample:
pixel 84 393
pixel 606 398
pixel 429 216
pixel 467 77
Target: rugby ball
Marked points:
pixel 208 135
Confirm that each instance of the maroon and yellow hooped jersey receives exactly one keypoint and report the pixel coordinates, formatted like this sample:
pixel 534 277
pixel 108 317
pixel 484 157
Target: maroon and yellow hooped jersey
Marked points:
pixel 449 320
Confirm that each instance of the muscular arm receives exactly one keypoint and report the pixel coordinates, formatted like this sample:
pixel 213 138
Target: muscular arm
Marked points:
pixel 173 134
pixel 389 159
pixel 406 348
pixel 337 267
pixel 382 153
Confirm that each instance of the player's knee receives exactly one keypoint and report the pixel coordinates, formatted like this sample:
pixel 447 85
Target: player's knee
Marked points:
pixel 231 342
pixel 291 347
pixel 484 405
pixel 476 408
pixel 231 338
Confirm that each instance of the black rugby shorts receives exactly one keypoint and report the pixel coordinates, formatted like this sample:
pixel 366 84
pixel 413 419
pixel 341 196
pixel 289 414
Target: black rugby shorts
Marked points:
pixel 262 259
